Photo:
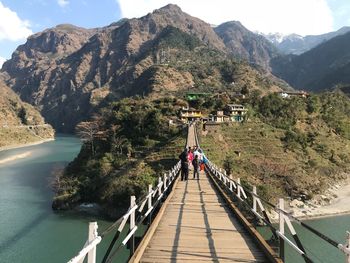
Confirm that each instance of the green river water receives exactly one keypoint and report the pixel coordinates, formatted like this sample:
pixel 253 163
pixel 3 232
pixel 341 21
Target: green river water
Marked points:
pixel 31 232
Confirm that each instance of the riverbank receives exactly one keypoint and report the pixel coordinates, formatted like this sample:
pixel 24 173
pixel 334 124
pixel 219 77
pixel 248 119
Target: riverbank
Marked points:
pixel 21 145
pixel 335 201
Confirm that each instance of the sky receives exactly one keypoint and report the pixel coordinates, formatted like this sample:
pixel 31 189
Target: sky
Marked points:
pixel 21 18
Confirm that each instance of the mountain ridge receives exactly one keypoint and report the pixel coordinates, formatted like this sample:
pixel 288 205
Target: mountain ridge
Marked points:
pixel 67 71
pixel 245 44
pixel 320 68
pixel 297 44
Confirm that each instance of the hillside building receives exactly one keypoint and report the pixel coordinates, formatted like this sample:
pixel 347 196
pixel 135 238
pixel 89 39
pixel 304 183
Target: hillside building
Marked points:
pixel 218 117
pixel 287 94
pixel 190 114
pixel 235 112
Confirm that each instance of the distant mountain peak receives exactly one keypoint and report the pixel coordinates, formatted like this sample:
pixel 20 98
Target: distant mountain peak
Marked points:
pixel 297 44
pixel 245 44
pixel 233 24
pixel 67 26
pixel 170 7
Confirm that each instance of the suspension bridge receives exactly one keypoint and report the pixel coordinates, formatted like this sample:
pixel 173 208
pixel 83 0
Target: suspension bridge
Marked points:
pixel 213 219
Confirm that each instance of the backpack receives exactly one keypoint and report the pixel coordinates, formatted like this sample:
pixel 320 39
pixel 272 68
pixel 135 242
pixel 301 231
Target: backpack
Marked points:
pixel 183 157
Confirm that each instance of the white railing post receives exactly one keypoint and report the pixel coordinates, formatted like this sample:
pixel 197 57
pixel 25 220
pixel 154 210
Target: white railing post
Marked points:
pixel 281 226
pixel 165 181
pixel 254 199
pixel 159 186
pixel 149 197
pixel 132 223
pixel 230 176
pixel 92 235
pixel 239 188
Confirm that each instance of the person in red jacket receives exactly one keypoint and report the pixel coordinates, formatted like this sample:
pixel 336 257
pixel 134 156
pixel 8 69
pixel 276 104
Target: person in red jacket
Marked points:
pixel 190 155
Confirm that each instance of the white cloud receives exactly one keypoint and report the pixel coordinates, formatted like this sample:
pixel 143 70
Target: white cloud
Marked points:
pixel 285 16
pixel 2 61
pixel 11 26
pixel 62 3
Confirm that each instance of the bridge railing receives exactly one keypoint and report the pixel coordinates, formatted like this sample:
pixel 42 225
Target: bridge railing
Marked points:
pixel 250 201
pixel 134 217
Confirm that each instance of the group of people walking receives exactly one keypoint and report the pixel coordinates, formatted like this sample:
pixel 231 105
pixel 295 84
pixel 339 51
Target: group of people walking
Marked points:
pixel 192 156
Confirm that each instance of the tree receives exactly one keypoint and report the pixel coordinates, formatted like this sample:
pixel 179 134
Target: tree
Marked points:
pixel 312 104
pixel 22 114
pixel 120 143
pixel 245 90
pixel 87 131
pixel 228 164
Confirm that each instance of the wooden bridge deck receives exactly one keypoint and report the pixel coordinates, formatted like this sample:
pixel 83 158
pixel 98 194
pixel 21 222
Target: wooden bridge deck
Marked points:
pixel 197 226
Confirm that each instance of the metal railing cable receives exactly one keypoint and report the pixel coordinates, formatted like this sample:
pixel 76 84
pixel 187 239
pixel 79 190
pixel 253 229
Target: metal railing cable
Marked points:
pixel 138 208
pixel 152 200
pixel 139 221
pixel 148 197
pixel 229 183
pixel 265 219
pixel 289 215
pixel 316 232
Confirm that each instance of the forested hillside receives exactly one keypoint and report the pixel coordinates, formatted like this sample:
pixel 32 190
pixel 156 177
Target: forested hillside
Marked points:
pixel 290 147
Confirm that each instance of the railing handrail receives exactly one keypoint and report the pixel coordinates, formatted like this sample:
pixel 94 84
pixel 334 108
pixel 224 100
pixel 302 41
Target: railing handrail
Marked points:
pixel 159 191
pixel 284 216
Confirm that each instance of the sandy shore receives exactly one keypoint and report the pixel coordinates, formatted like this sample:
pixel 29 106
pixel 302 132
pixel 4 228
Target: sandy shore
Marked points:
pixel 15 146
pixel 335 201
pixel 15 157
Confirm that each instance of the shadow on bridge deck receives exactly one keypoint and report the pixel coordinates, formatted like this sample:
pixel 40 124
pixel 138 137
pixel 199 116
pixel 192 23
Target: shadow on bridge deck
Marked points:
pixel 197 226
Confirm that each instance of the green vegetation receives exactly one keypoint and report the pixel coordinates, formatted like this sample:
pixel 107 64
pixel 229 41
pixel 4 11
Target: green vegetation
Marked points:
pixel 22 114
pixel 290 147
pixel 125 149
pixel 172 37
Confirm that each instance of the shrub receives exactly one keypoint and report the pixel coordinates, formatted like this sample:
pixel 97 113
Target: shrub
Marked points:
pixel 228 164
pixel 293 139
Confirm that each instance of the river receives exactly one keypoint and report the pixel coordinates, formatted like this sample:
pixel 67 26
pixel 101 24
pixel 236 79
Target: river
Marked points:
pixel 31 232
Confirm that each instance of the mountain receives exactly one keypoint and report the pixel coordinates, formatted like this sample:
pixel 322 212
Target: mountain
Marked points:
pixel 296 44
pixel 245 44
pixel 37 68
pixel 20 123
pixel 323 67
pixel 69 72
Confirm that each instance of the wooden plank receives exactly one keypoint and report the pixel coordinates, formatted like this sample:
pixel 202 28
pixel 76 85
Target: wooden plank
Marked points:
pixel 197 227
